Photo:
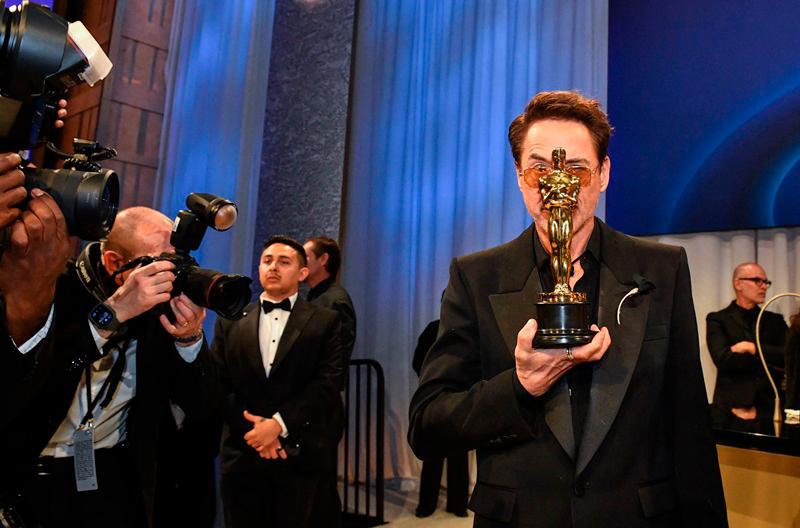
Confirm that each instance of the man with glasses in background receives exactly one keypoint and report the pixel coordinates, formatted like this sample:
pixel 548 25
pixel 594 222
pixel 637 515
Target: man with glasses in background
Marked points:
pixel 743 398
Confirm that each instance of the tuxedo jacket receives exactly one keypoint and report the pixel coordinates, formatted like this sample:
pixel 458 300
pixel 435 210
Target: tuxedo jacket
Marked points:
pixel 38 398
pixel 647 456
pixel 303 386
pixel 741 381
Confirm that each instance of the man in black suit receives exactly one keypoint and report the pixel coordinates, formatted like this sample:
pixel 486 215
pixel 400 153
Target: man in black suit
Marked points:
pixel 279 370
pixel 324 259
pixel 611 433
pixel 104 369
pixel 743 398
pixel 430 477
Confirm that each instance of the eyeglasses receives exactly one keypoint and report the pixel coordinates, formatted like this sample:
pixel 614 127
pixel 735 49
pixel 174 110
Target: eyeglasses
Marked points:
pixel 758 281
pixel 541 168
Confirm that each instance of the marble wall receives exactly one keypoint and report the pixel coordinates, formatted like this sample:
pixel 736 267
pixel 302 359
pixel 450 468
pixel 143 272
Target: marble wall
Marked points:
pixel 303 157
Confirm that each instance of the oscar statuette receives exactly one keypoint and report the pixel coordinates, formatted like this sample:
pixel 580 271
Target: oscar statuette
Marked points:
pixel 563 315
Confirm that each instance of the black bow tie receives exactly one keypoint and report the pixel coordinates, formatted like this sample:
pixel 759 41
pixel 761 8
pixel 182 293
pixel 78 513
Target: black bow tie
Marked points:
pixel 269 306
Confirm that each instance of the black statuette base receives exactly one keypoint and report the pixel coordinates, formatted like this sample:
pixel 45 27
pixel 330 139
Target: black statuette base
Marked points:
pixel 562 325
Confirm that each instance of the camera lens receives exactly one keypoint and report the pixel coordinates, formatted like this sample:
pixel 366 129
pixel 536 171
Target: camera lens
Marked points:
pixel 88 200
pixel 224 293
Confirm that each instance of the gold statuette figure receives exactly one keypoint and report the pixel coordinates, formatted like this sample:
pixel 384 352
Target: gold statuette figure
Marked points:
pixel 563 315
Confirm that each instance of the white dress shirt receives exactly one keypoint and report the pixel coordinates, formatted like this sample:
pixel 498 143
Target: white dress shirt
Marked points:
pixel 270 330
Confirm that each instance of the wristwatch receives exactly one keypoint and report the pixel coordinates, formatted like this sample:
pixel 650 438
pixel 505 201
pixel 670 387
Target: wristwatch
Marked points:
pixel 103 317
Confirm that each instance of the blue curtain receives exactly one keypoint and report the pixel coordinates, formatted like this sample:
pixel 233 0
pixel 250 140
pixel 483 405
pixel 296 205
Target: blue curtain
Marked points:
pixel 430 174
pixel 217 72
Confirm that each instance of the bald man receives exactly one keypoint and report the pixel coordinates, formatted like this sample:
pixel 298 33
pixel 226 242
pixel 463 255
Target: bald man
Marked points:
pixel 97 397
pixel 743 399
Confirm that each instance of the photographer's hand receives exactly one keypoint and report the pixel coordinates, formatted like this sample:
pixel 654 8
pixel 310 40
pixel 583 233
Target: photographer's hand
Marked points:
pixel 62 112
pixel 188 320
pixel 29 268
pixel 12 191
pixel 144 288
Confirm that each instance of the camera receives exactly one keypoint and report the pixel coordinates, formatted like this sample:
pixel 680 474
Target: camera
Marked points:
pixel 41 56
pixel 226 294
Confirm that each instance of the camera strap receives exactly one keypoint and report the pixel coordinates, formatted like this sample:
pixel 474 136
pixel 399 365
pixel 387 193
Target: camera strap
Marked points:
pixel 111 382
pixel 86 265
pixel 83 437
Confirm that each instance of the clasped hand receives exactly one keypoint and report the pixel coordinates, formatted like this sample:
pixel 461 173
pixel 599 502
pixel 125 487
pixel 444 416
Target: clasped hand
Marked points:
pixel 264 436
pixel 539 369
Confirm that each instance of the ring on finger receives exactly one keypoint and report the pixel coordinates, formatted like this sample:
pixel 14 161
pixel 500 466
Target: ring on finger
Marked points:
pixel 570 357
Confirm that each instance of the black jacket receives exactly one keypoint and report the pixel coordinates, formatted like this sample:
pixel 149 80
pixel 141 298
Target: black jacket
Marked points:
pixel 303 386
pixel 330 294
pixel 647 456
pixel 741 381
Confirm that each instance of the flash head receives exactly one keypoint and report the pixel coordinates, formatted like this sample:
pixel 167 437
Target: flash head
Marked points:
pixel 218 213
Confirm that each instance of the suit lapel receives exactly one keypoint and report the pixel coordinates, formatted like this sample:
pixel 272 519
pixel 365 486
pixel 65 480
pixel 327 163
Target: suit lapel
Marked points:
pixel 612 374
pixel 512 307
pixel 299 316
pixel 248 337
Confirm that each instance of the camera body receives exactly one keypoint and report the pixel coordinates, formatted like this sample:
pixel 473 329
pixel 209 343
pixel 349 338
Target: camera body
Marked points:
pixel 226 294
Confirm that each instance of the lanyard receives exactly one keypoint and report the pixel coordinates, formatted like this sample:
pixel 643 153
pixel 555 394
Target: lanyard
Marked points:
pixel 109 386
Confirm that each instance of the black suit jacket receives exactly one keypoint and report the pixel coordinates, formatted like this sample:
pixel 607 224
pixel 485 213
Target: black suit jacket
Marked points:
pixel 36 401
pixel 647 457
pixel 741 381
pixel 337 299
pixel 303 386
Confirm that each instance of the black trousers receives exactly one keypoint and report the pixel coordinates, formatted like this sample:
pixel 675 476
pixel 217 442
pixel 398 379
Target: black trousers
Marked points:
pixel 277 495
pixel 457 483
pixel 50 498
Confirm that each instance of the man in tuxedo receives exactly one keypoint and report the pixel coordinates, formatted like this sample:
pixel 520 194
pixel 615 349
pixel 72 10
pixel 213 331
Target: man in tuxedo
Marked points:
pixel 611 433
pixel 279 370
pixel 743 398
pixel 103 373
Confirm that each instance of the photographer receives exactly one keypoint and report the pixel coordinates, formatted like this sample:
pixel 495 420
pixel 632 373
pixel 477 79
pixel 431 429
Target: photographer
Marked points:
pixel 114 371
pixel 37 247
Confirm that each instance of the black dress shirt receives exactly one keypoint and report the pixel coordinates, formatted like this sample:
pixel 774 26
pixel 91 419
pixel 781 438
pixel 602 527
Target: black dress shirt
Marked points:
pixel 579 378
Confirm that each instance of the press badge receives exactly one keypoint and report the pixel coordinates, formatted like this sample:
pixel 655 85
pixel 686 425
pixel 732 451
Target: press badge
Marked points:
pixel 85 473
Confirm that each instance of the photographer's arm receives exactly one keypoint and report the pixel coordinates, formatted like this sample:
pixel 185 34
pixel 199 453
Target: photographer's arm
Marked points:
pixel 29 268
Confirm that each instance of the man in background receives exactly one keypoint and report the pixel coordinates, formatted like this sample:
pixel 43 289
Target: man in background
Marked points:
pixel 324 259
pixel 743 398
